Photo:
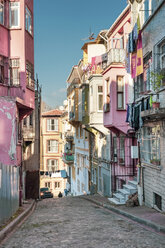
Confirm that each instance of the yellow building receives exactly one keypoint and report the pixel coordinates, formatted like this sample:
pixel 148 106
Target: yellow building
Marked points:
pixel 52 169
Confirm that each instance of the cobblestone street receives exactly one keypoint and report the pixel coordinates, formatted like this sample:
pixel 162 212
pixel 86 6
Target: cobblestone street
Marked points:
pixel 75 222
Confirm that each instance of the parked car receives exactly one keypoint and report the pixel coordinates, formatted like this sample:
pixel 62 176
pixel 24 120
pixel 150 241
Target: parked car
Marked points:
pixel 45 193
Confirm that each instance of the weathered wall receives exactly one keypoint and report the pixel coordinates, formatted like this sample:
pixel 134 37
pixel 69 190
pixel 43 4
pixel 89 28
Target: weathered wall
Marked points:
pixel 9 191
pixel 8 132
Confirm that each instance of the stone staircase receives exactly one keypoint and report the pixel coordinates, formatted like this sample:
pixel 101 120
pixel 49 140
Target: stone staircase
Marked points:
pixel 120 197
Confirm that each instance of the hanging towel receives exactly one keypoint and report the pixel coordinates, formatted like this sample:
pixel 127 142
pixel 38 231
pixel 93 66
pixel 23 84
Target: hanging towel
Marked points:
pixel 98 60
pixel 139 66
pixel 133 65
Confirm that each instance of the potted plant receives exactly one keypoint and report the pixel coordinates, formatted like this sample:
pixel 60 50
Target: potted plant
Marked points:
pixel 156 81
pixel 155 161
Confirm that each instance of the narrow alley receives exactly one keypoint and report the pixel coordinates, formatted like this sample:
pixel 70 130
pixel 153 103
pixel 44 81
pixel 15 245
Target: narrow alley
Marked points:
pixel 75 222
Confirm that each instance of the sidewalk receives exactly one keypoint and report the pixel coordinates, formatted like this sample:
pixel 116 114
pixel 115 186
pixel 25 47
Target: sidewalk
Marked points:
pixel 141 214
pixel 23 211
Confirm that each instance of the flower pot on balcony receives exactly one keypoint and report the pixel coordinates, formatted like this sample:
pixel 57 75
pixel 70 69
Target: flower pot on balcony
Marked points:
pixel 156 105
pixel 155 161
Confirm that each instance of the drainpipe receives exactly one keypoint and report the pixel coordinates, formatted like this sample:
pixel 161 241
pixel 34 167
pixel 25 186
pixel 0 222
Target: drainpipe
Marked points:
pixel 139 178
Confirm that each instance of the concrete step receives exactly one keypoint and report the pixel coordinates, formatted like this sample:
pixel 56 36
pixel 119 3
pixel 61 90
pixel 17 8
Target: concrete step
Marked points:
pixel 125 193
pixel 119 197
pixel 114 201
pixel 133 183
pixel 129 188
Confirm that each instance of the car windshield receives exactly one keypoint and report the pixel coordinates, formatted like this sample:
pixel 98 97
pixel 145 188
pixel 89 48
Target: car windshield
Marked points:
pixel 44 189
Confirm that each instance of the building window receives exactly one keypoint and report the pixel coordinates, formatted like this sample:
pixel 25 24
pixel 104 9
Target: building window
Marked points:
pixel 57 185
pixel 53 146
pixel 14 14
pixel 29 75
pixel 14 72
pixel 47 185
pixel 28 21
pixel 52 165
pixel 146 82
pixel 107 96
pixel 100 98
pixel 2 71
pixel 150 147
pixel 25 121
pixel 120 92
pixel 52 125
pixel 162 56
pixel 122 150
pixel 31 119
pixel 2 12
pixel 115 150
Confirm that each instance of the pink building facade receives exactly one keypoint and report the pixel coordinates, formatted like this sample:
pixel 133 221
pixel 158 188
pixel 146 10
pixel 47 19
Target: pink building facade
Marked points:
pixel 16 82
pixel 118 92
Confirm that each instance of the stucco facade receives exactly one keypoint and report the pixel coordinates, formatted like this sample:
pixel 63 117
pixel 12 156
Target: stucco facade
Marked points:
pixel 16 79
pixel 51 164
pixel 117 92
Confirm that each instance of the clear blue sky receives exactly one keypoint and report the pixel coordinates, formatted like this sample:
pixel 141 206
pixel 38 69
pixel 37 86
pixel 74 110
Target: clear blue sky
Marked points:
pixel 59 26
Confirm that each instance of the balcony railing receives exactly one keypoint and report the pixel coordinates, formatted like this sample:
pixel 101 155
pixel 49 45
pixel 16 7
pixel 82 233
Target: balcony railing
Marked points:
pixel 116 55
pixel 68 158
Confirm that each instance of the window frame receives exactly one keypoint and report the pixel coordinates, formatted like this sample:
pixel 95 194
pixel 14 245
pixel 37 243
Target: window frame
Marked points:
pixel 55 165
pixel 49 125
pixel 2 70
pixel 2 6
pixel 14 65
pixel 49 146
pixel 99 93
pixel 149 150
pixel 29 75
pixel 120 92
pixel 16 7
pixel 28 16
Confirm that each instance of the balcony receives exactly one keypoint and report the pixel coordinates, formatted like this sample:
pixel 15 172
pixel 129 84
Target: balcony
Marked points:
pixel 68 158
pixel 69 136
pixel 154 113
pixel 116 55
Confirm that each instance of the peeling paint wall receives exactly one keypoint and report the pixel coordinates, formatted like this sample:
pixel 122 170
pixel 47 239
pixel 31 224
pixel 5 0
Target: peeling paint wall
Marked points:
pixel 7 132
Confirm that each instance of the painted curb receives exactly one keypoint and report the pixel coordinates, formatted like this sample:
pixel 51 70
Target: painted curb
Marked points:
pixel 4 232
pixel 148 223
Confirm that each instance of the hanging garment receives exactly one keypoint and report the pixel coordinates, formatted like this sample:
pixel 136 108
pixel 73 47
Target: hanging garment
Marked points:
pixel 127 60
pixel 139 59
pixel 128 113
pixel 133 65
pixel 135 32
pixel 130 43
pixel 98 60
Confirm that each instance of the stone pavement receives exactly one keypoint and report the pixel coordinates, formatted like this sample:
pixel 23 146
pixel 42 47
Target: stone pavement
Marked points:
pixel 74 222
pixel 141 214
pixel 11 224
